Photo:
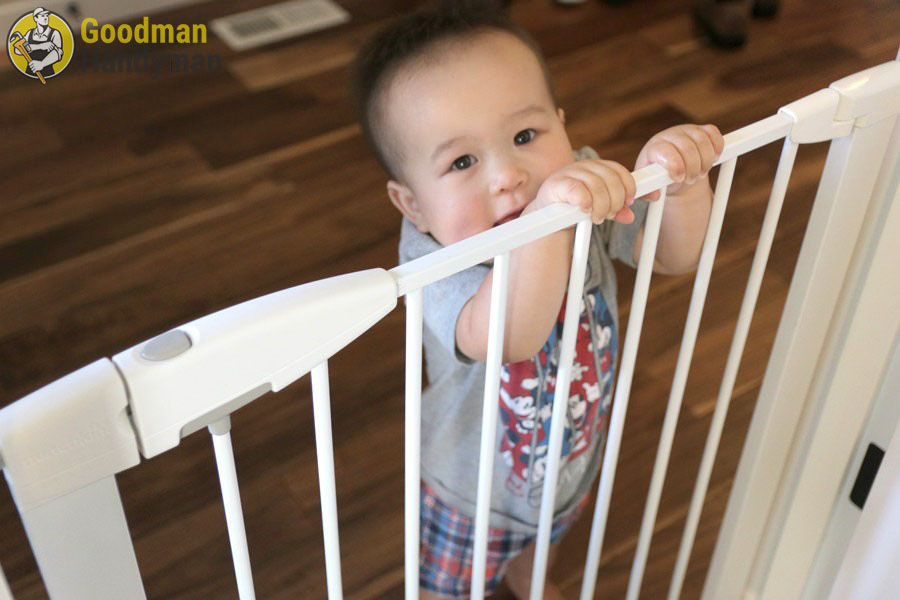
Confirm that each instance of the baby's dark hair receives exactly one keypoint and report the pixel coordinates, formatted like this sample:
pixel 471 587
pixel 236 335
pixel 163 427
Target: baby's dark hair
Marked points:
pixel 411 37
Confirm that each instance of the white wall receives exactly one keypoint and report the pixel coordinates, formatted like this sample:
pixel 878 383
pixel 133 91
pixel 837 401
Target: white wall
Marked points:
pixel 846 516
pixel 870 568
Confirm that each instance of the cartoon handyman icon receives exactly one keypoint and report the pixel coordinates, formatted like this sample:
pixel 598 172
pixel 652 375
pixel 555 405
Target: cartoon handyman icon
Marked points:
pixel 42 46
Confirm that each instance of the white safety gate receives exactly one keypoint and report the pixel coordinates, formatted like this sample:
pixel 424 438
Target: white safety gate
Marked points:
pixel 62 445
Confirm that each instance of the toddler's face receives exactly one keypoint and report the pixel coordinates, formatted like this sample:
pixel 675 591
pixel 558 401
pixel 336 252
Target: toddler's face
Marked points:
pixel 476 132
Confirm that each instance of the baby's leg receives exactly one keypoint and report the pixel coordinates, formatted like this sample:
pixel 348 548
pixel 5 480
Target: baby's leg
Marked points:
pixel 518 574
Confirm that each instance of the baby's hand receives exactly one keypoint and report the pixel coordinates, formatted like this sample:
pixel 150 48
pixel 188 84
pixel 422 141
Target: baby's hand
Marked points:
pixel 603 188
pixel 687 152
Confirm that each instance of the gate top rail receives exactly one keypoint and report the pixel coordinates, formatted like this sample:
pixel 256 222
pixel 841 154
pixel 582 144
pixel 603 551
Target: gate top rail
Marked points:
pixel 153 394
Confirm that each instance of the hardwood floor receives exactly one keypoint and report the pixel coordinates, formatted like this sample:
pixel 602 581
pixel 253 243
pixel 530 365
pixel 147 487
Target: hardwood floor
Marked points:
pixel 131 204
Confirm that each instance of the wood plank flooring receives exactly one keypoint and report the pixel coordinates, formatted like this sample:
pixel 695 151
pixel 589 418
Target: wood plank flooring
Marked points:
pixel 129 205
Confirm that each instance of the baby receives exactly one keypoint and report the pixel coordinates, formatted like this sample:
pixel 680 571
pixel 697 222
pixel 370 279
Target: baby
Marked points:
pixel 458 105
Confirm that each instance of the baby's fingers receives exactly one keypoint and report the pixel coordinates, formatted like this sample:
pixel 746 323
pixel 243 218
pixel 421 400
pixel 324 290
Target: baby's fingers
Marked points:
pixel 715 136
pixel 600 203
pixel 577 192
pixel 664 152
pixel 651 197
pixel 624 216
pixel 625 179
pixel 610 185
pixel 705 148
pixel 619 184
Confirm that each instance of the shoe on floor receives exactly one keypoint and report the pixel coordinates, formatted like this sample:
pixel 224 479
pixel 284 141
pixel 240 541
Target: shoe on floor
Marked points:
pixel 765 9
pixel 724 22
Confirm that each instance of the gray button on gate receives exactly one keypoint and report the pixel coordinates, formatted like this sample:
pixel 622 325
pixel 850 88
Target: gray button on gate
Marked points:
pixel 166 346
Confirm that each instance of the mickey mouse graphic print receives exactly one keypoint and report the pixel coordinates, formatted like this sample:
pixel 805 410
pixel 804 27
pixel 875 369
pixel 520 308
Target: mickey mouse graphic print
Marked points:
pixel 527 390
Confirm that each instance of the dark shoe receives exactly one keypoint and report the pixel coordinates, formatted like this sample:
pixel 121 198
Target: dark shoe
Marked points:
pixel 765 9
pixel 724 22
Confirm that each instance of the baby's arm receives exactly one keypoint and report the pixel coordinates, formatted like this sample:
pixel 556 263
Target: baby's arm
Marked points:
pixel 539 271
pixel 687 152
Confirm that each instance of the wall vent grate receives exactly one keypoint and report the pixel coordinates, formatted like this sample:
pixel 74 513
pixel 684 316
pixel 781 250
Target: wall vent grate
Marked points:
pixel 254 28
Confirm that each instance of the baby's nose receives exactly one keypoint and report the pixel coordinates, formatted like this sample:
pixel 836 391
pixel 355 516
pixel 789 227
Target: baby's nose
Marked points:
pixel 508 178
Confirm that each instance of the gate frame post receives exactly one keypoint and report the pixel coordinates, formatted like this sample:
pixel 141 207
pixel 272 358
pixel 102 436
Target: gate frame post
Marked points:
pixel 61 447
pixel 859 180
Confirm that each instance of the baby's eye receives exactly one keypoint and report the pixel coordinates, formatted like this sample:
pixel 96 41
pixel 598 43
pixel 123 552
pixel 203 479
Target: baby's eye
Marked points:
pixel 524 136
pixel 462 163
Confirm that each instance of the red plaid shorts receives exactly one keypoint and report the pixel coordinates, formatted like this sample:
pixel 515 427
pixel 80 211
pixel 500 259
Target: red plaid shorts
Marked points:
pixel 446 545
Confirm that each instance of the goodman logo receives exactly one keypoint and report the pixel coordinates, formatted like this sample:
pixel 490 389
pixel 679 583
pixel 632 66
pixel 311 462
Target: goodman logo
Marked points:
pixel 40 44
pixel 143 36
pixel 142 33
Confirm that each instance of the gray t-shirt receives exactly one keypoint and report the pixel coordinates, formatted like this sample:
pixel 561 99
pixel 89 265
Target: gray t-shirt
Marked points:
pixel 452 402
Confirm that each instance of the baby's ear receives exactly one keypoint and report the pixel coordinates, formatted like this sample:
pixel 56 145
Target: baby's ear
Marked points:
pixel 403 198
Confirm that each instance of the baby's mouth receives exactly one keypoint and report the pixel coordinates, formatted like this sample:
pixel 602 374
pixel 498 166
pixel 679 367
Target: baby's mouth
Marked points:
pixel 509 217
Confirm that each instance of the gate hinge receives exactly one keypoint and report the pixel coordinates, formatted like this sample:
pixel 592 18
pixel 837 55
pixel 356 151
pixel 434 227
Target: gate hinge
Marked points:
pixel 859 100
pixel 814 118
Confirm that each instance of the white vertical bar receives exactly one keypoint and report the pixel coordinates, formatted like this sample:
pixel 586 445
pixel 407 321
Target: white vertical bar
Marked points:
pixel 5 592
pixel 623 388
pixel 413 428
pixel 757 269
pixel 327 491
pixel 560 404
pixel 231 499
pixel 490 408
pixel 82 544
pixel 676 394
